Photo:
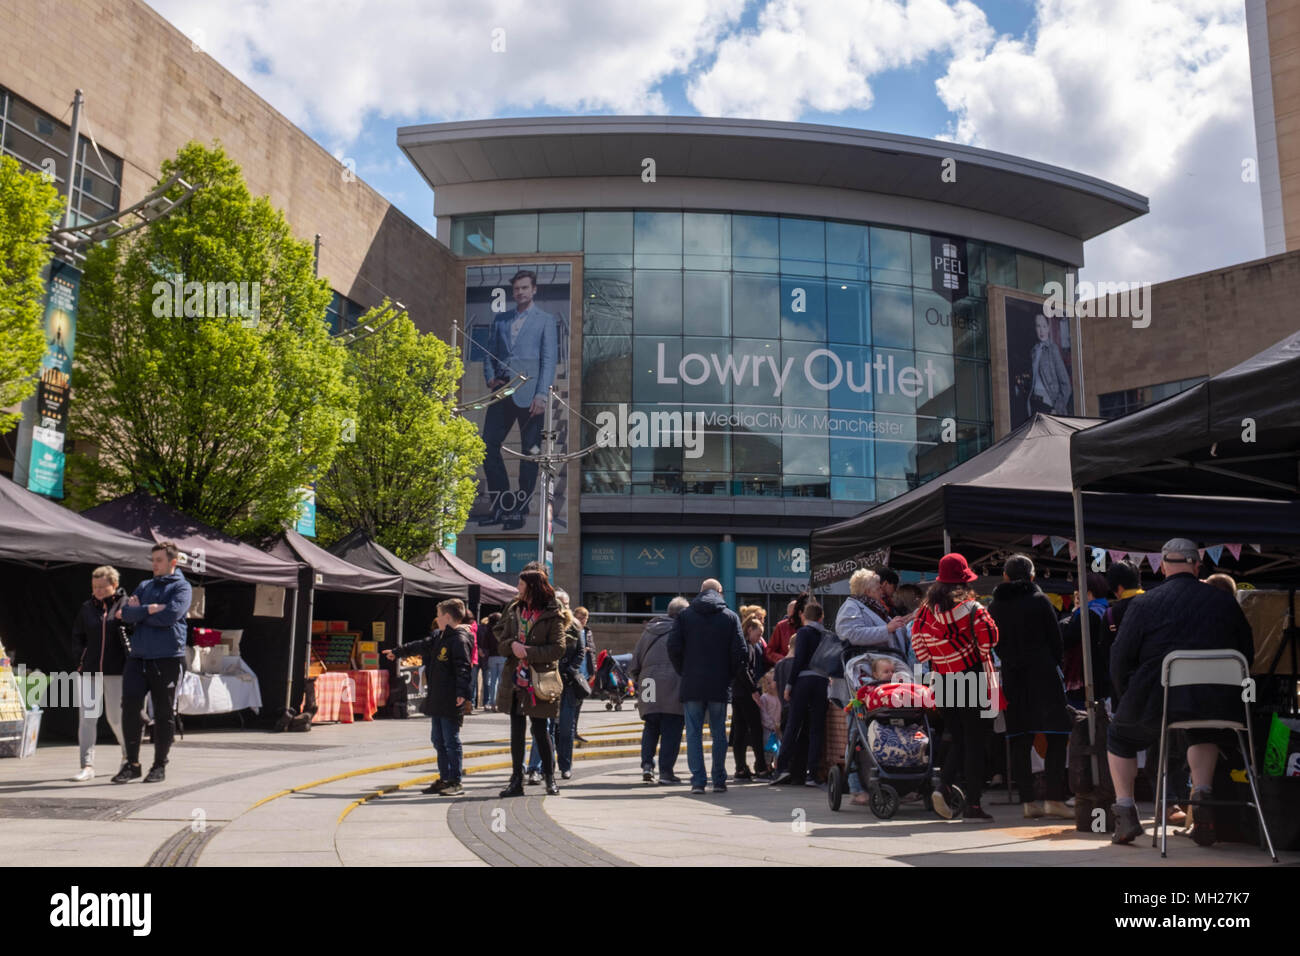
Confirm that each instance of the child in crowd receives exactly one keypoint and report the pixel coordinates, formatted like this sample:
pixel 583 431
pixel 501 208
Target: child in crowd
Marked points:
pixel 769 704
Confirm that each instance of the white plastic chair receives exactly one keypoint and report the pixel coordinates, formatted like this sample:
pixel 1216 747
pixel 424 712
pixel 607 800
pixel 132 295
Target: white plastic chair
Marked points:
pixel 1215 667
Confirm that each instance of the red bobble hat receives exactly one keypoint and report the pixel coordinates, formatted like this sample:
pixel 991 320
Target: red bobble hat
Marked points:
pixel 953 569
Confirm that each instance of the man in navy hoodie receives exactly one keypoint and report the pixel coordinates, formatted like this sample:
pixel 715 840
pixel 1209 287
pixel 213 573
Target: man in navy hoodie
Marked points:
pixel 157 609
pixel 705 646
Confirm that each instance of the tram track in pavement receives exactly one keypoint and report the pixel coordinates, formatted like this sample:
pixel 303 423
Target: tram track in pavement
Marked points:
pixel 185 847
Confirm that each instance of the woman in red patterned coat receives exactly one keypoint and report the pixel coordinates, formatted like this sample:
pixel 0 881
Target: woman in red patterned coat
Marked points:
pixel 957 635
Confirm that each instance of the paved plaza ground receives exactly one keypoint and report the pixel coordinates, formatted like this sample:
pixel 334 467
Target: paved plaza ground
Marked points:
pixel 348 795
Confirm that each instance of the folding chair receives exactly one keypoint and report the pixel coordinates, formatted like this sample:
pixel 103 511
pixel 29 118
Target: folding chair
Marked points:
pixel 1188 668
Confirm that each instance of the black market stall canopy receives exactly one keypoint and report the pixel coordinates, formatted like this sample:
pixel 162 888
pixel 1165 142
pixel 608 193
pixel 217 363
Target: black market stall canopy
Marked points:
pixel 329 571
pixel 206 551
pixel 1019 489
pixel 360 549
pixel 234 577
pixel 483 588
pixel 421 589
pixel 37 532
pixel 1237 433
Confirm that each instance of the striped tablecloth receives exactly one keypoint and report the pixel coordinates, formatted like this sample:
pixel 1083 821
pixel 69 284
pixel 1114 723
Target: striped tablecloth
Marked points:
pixel 340 694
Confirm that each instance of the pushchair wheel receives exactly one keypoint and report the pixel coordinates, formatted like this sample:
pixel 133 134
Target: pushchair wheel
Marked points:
pixel 608 705
pixel 619 705
pixel 884 801
pixel 835 786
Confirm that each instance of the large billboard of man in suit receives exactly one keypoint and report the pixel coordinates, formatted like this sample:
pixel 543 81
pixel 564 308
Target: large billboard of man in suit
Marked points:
pixel 1038 361
pixel 517 319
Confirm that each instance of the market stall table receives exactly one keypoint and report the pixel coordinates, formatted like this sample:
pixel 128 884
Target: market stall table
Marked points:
pixel 341 693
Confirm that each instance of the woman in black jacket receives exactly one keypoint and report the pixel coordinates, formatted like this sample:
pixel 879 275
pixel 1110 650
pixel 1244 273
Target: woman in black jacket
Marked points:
pixel 1029 646
pixel 447 654
pixel 105 643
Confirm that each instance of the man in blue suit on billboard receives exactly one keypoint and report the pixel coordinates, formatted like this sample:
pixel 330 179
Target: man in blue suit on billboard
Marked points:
pixel 522 342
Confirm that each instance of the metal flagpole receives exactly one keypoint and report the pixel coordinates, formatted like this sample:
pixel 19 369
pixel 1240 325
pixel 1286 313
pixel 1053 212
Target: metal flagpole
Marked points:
pixel 547 465
pixel 77 100
pixel 1086 639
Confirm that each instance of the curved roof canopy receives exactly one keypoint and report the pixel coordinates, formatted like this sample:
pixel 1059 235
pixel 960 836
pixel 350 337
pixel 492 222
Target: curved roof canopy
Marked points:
pixel 798 153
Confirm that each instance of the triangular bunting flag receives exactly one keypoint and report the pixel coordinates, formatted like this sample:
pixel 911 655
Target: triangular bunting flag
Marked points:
pixel 1201 553
pixel 1234 550
pixel 1036 540
pixel 1258 549
pixel 1074 550
pixel 1153 559
pixel 1215 552
pixel 1117 556
pixel 1057 544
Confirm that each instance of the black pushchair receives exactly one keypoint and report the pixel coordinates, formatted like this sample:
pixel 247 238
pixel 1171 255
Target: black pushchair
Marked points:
pixel 612 683
pixel 889 744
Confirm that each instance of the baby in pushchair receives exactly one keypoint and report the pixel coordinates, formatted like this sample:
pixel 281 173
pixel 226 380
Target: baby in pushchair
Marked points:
pixel 889 733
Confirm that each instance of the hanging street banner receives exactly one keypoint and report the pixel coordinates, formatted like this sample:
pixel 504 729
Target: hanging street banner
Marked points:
pixel 306 524
pixel 41 458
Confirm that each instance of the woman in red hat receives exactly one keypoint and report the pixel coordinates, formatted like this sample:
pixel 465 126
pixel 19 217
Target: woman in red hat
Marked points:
pixel 957 635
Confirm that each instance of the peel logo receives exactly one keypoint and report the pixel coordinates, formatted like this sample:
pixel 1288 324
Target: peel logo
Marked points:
pixel 75 909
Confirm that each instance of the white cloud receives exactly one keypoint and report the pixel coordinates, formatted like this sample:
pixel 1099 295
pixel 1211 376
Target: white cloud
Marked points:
pixel 329 64
pixel 1152 96
pixel 813 55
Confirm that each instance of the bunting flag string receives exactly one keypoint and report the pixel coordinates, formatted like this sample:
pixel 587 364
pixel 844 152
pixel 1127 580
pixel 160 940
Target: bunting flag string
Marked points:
pixel 1099 555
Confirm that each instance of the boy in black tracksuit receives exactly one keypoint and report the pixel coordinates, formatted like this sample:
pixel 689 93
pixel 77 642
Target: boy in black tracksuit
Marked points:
pixel 447 654
pixel 746 718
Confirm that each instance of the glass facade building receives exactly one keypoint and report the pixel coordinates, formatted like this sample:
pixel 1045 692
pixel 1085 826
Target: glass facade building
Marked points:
pixel 703 312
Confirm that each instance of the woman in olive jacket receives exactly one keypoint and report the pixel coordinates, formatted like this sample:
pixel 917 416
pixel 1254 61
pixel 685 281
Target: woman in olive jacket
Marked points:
pixel 531 637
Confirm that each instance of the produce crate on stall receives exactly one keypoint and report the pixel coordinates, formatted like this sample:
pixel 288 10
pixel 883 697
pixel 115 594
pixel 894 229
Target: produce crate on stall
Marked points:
pixel 335 651
pixel 18 728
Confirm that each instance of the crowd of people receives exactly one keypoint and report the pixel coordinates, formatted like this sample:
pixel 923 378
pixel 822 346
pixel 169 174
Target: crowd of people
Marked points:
pixel 533 661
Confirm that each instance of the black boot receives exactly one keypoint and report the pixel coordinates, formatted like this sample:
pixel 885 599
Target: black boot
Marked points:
pixel 552 788
pixel 516 786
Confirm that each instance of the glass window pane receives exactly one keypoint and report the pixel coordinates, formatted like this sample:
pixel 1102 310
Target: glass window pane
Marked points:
pixel 656 361
pixel 803 246
pixel 1001 265
pixel 1053 272
pixel 891 256
pixel 891 316
pixel 853 489
pixel 756 306
pixel 748 355
pixel 934 456
pixel 755 243
pixel 658 240
pixel 887 489
pixel 803 373
pixel 606 303
pixel 848 312
pixel 851 457
pixel 857 383
pixel 607 240
pixel 472 236
pixel 973 402
pixel 971 327
pixel 976 267
pixel 933 325
pixel 712 353
pixel 516 232
pixel 899 390
pixel 803 309
pixel 607 368
pixel 706 240
pixel 847 255
pixel 706 302
pixel 1029 273
pixel 938 398
pixel 657 302
pixel 921 273
pixel 559 232
pixel 896 458
pixel 755 454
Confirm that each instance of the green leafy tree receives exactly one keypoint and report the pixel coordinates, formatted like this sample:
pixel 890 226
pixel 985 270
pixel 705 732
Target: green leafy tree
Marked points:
pixel 29 209
pixel 205 372
pixel 407 475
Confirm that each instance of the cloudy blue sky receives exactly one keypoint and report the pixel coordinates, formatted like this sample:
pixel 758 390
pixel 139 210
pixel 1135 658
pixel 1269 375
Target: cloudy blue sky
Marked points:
pixel 1153 95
